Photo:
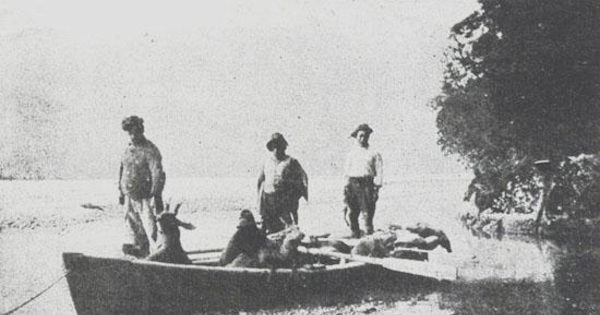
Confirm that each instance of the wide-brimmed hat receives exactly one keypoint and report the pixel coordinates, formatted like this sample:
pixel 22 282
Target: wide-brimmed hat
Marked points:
pixel 361 127
pixel 276 139
pixel 132 121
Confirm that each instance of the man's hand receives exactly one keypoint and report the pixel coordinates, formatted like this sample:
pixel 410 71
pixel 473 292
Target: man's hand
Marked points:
pixel 376 192
pixel 468 194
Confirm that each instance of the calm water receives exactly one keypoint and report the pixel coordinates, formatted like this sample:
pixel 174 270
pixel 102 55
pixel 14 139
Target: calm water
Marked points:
pixel 499 276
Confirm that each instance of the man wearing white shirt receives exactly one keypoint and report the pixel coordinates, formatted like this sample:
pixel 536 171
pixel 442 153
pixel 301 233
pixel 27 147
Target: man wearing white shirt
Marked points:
pixel 363 171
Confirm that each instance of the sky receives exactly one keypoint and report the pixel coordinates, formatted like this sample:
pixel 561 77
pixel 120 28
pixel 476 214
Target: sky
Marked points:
pixel 214 79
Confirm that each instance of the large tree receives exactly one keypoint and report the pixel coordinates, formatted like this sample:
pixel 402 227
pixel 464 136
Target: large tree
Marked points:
pixel 522 83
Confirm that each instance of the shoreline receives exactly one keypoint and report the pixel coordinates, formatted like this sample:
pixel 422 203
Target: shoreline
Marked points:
pixel 32 256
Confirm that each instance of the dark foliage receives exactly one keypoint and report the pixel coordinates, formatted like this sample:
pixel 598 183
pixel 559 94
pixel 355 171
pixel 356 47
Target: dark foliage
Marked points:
pixel 522 83
pixel 576 190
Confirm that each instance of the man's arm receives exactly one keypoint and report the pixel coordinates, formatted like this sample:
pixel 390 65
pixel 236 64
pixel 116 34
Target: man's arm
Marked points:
pixel 378 179
pixel 261 179
pixel 470 190
pixel 304 183
pixel 347 165
pixel 300 179
pixel 231 251
pixel 156 171
pixel 121 194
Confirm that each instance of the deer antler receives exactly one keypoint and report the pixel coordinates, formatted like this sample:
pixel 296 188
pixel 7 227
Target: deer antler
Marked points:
pixel 168 204
pixel 177 206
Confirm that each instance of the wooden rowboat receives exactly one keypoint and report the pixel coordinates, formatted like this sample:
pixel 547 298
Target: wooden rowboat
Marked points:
pixel 100 285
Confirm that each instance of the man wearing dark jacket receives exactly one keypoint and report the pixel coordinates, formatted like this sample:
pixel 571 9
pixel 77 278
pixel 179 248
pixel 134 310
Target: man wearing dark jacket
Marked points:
pixel 281 184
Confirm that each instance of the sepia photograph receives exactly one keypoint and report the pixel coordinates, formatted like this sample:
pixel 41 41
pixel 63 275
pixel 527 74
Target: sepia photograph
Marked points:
pixel 296 157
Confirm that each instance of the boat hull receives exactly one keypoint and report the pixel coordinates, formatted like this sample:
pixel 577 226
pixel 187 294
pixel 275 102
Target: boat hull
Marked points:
pixel 118 286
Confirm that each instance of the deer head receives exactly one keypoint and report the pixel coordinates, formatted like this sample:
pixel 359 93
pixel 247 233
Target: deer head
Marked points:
pixel 168 222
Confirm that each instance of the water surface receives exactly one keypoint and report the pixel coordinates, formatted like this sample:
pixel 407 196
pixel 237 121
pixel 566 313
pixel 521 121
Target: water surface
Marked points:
pixel 498 276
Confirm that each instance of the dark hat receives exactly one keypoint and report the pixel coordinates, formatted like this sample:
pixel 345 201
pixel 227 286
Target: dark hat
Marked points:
pixel 276 139
pixel 246 218
pixel 131 121
pixel 361 127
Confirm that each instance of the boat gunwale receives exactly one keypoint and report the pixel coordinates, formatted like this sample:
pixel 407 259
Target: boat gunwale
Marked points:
pixel 349 265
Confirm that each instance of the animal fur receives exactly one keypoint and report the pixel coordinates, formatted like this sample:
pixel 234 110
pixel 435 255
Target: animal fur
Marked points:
pixel 168 241
pixel 431 237
pixel 378 244
pixel 246 241
pixel 279 251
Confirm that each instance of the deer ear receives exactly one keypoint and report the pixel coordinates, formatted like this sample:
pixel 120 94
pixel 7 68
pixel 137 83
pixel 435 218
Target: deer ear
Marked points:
pixel 186 225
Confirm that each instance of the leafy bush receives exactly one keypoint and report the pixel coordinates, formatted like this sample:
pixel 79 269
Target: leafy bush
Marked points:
pixel 576 190
pixel 521 84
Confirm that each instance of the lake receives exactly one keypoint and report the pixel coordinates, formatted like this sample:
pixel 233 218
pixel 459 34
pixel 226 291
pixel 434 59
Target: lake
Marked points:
pixel 41 219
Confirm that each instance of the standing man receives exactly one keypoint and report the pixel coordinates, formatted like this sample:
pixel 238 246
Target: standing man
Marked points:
pixel 363 172
pixel 281 184
pixel 141 181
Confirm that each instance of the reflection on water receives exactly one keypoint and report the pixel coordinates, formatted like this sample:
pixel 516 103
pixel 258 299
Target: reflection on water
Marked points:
pixel 577 280
pixel 522 275
pixel 514 258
